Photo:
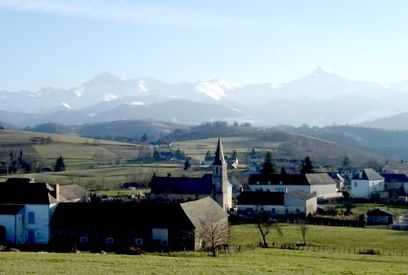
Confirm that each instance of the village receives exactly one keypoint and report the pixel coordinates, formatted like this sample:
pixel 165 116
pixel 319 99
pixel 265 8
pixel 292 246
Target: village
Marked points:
pixel 193 213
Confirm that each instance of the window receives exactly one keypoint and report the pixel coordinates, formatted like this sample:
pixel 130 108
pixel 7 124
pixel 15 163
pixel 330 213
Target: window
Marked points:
pixel 31 217
pixel 355 184
pixel 83 240
pixel 138 241
pixel 109 240
pixel 160 234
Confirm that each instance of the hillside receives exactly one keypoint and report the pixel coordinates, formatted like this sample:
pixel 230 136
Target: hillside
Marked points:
pixel 392 145
pixel 328 145
pixel 242 138
pixel 42 149
pixel 124 130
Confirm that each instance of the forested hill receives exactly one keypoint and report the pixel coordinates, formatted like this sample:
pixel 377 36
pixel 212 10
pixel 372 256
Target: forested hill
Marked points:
pixel 390 144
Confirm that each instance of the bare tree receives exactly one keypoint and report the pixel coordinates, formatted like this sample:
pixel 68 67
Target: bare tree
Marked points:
pixel 214 234
pixel 303 230
pixel 265 225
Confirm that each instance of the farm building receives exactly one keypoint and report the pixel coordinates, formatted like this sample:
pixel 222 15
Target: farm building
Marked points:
pixel 276 203
pixel 320 184
pixel 150 226
pixel 378 216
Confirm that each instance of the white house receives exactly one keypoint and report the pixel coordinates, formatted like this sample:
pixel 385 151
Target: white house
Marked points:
pixel 320 184
pixel 366 183
pixel 277 203
pixel 36 204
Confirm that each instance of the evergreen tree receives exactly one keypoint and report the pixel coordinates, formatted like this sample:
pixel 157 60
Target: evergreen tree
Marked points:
pixel 268 167
pixel 253 153
pixel 346 162
pixel 208 156
pixel 59 165
pixel 307 166
pixel 187 164
pixel 144 138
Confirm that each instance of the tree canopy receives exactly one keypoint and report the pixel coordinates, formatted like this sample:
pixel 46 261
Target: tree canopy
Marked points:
pixel 59 165
pixel 307 166
pixel 268 167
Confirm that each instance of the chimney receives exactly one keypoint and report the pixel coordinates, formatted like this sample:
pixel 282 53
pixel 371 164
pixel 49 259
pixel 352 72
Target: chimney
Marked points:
pixel 56 192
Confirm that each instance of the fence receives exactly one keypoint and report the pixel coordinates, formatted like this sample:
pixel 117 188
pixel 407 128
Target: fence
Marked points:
pixel 345 250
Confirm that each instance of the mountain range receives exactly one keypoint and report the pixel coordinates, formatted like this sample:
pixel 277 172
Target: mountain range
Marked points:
pixel 318 99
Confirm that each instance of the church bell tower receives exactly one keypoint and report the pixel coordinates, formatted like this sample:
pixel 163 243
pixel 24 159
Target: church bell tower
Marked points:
pixel 222 189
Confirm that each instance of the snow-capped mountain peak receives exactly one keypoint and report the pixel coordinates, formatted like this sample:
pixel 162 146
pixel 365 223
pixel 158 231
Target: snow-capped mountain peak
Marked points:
pixel 142 86
pixel 109 97
pixel 66 105
pixel 321 71
pixel 79 91
pixel 216 89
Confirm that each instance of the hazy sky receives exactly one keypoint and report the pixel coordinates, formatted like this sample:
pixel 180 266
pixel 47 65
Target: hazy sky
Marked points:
pixel 65 43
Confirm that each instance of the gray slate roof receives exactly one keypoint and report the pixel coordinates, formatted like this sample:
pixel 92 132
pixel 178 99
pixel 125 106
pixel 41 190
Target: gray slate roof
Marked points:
pixel 367 174
pixel 10 209
pixel 203 211
pixel 182 185
pixel 71 192
pixel 379 213
pixel 26 193
pixel 292 179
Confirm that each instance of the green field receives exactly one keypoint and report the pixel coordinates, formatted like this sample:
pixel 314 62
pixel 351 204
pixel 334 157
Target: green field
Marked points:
pixel 248 261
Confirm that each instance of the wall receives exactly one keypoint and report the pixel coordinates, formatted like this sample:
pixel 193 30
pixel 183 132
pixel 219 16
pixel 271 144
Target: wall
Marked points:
pixel 279 187
pixel 41 225
pixel 365 188
pixel 14 227
pixel 9 222
pixel 323 189
pixel 359 189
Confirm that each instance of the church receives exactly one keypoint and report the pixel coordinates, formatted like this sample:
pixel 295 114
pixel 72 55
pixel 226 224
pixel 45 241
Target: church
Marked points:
pixel 215 185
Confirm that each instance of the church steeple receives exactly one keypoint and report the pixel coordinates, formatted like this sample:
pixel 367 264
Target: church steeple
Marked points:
pixel 219 154
pixel 222 189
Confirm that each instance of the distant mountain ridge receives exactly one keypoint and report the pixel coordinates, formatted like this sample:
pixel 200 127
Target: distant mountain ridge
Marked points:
pixel 319 99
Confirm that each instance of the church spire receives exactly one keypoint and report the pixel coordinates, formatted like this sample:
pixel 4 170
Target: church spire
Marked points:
pixel 219 154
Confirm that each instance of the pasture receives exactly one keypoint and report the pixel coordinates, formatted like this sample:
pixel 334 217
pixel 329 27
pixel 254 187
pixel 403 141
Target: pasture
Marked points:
pixel 250 261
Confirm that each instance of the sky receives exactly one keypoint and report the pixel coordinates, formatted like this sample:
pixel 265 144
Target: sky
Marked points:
pixel 62 44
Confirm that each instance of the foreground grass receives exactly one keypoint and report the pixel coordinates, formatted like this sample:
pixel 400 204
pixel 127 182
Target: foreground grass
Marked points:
pixel 258 261
pixel 332 238
pixel 253 261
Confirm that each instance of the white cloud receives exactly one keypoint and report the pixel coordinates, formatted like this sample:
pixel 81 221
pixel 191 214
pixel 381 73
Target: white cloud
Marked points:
pixel 130 12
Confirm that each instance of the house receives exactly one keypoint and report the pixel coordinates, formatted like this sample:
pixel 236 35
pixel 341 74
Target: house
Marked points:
pixel 149 225
pixel 367 183
pixel 277 203
pixel 320 184
pixel 378 216
pixel 30 205
pixel 215 185
pixel 340 181
pixel 397 182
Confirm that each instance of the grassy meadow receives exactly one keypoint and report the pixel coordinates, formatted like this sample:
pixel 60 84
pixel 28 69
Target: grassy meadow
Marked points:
pixel 250 261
